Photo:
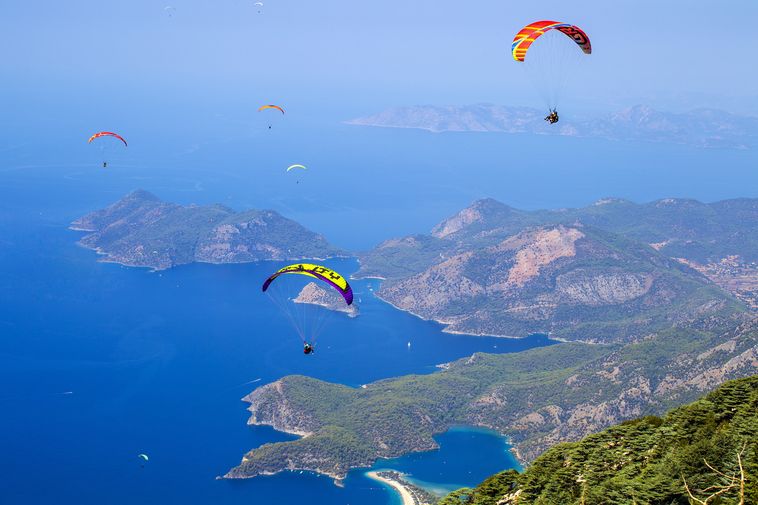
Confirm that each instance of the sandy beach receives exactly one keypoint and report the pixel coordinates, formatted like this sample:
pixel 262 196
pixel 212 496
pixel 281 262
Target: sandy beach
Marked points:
pixel 405 494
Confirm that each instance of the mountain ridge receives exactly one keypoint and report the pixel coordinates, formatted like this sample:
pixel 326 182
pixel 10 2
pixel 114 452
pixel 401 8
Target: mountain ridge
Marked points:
pixel 142 230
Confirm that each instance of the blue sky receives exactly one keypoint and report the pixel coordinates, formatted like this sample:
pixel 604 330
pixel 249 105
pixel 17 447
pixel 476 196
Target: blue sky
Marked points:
pixel 362 56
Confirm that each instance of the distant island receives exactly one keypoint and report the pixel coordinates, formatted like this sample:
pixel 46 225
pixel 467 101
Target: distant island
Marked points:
pixel 654 302
pixel 141 230
pixel 700 127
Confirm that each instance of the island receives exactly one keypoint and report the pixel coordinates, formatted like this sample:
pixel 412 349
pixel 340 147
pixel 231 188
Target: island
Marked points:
pixel 143 231
pixel 316 295
pixel 705 128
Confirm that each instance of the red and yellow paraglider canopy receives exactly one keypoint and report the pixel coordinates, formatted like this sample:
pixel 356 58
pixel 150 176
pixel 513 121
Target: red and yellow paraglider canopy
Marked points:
pixel 531 32
pixel 276 107
pixel 107 134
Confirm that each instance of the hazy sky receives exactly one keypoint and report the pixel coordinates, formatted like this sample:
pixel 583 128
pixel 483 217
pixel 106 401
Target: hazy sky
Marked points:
pixel 364 55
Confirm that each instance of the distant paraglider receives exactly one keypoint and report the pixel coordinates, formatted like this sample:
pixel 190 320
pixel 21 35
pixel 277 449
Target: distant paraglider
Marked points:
pixel 104 144
pixel 265 107
pixel 259 5
pixel 270 107
pixel 297 167
pixel 143 459
pixel 548 51
pixel 169 10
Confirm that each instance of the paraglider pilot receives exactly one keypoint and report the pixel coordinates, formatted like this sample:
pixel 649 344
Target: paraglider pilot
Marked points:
pixel 307 348
pixel 552 118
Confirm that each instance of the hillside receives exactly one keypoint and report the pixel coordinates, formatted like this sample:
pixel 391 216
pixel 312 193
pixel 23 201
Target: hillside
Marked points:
pixel 141 230
pixel 538 398
pixel 699 127
pixel 615 266
pixel 708 448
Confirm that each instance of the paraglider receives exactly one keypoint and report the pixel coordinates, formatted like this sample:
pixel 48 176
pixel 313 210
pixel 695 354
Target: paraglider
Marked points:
pixel 143 459
pixel 270 107
pixel 259 5
pixel 549 51
pixel 305 303
pixel 169 10
pixel 100 135
pixel 293 167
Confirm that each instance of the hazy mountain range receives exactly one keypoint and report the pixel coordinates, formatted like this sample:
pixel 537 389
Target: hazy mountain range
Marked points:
pixel 698 127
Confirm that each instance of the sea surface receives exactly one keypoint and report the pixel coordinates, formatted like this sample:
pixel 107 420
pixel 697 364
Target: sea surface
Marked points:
pixel 465 458
pixel 100 362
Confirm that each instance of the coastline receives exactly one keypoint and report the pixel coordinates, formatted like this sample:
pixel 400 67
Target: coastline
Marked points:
pixel 405 492
pixel 447 325
pixel 107 257
pixel 447 328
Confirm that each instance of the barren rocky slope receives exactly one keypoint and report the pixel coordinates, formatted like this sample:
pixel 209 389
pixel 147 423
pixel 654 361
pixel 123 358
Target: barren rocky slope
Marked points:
pixel 602 273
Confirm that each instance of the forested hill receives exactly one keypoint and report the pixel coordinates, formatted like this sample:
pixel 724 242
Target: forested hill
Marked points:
pixel 708 448
pixel 141 230
pixel 538 398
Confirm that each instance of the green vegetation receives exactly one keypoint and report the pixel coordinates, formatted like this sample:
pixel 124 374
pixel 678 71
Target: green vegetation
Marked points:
pixel 586 274
pixel 704 452
pixel 684 228
pixel 141 230
pixel 538 398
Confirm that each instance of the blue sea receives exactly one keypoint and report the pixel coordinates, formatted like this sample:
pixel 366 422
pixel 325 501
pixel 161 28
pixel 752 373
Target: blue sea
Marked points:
pixel 99 362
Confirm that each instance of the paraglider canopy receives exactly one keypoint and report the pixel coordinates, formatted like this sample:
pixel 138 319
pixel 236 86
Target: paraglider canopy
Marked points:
pixel 265 107
pixel 528 34
pixel 106 134
pixel 292 167
pixel 143 457
pixel 317 272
